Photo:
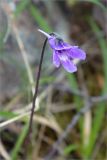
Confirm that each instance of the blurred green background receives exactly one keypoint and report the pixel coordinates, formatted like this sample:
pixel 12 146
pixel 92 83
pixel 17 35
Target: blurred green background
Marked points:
pixel 61 95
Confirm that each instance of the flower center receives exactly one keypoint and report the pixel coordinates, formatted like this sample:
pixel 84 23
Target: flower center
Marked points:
pixel 63 57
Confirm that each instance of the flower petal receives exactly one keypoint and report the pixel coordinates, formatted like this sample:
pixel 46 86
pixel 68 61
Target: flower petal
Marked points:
pixel 52 42
pixel 46 34
pixel 69 66
pixel 76 52
pixel 58 44
pixel 56 59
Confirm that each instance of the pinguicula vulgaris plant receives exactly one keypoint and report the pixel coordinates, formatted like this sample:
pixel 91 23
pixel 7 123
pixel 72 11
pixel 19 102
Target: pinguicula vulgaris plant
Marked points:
pixel 63 55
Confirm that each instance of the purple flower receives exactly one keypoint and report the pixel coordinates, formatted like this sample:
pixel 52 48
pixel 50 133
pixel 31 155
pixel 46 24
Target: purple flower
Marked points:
pixel 63 53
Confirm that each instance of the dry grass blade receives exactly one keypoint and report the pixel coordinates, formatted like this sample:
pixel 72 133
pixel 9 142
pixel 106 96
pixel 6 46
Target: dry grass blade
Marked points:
pixel 3 152
pixel 24 55
pixel 40 119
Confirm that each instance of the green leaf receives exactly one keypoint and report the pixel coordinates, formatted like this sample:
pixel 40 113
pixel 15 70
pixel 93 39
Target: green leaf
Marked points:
pixel 100 110
pixel 40 19
pixel 77 100
pixel 98 2
pixel 70 148
pixel 21 6
pixel 7 114
pixel 18 144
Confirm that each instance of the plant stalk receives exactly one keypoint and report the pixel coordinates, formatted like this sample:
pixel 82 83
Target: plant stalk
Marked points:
pixel 36 88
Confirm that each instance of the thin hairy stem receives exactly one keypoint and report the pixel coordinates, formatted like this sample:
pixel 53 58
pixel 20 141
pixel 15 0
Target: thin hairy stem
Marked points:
pixel 36 88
